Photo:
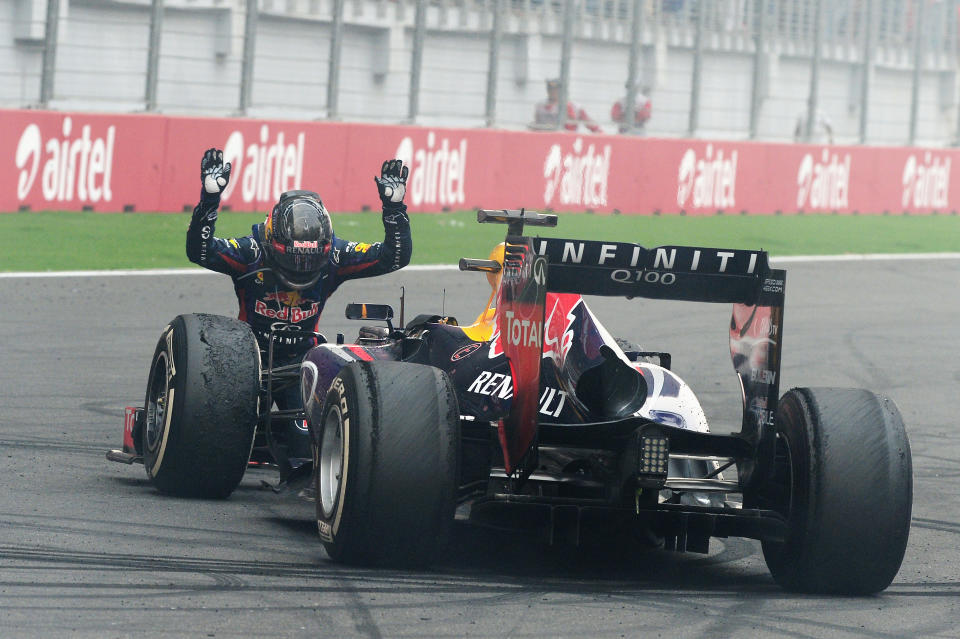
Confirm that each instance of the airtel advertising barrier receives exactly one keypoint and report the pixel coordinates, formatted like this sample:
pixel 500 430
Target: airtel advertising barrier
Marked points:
pixel 111 162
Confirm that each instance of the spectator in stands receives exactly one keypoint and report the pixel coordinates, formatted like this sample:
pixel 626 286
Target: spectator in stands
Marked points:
pixel 546 116
pixel 820 133
pixel 642 109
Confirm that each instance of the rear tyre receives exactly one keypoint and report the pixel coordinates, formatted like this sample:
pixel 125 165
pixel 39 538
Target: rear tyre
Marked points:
pixel 387 464
pixel 843 478
pixel 201 406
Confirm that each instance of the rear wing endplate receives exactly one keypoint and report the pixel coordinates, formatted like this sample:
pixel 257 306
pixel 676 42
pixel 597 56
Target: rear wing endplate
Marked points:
pixel 520 313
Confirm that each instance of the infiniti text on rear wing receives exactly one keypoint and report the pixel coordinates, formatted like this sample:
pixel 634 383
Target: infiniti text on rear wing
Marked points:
pixel 687 273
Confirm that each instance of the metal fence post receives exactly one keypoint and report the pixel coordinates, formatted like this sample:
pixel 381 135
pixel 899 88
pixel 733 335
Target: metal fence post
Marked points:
pixel 333 72
pixel 416 60
pixel 633 65
pixel 565 52
pixel 954 46
pixel 49 52
pixel 918 36
pixel 813 99
pixel 249 52
pixel 756 84
pixel 153 54
pixel 694 122
pixel 871 25
pixel 493 63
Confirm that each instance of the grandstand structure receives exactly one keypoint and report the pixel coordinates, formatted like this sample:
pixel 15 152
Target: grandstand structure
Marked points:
pixel 879 71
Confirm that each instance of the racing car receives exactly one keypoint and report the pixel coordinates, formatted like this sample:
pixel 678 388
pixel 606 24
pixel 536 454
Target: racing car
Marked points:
pixel 535 418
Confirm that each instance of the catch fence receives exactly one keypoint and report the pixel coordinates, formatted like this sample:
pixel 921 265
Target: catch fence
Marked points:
pixel 851 71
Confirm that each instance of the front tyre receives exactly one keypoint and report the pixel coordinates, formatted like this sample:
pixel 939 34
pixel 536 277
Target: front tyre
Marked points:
pixel 387 464
pixel 843 478
pixel 201 406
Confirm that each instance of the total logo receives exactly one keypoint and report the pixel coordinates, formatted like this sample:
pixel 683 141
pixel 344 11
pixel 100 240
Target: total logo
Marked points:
pixel 262 170
pixel 707 182
pixel 523 332
pixel 72 167
pixel 926 184
pixel 577 177
pixel 825 184
pixel 437 172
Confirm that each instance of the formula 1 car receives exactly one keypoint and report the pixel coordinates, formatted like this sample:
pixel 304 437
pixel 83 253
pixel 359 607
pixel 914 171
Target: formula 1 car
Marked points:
pixel 535 418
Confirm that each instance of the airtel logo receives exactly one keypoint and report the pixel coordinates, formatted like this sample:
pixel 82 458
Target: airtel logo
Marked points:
pixel 824 184
pixel 83 165
pixel 711 181
pixel 437 173
pixel 579 177
pixel 926 185
pixel 262 171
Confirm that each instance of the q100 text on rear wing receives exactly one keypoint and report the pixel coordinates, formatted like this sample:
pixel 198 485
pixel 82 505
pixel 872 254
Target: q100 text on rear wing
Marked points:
pixel 688 273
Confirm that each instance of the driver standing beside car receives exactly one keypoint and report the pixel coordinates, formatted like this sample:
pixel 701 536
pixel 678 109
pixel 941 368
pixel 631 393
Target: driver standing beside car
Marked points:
pixel 284 271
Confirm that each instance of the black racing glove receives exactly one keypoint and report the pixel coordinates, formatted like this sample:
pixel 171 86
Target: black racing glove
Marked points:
pixel 214 175
pixel 392 185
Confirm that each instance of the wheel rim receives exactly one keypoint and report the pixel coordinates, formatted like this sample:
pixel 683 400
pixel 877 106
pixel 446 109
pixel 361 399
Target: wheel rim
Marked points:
pixel 157 402
pixel 331 461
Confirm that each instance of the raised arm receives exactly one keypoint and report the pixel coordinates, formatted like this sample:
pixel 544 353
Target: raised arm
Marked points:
pixel 365 260
pixel 223 256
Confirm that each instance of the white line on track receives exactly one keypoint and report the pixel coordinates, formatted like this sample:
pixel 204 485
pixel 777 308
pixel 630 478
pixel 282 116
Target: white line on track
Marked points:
pixel 864 257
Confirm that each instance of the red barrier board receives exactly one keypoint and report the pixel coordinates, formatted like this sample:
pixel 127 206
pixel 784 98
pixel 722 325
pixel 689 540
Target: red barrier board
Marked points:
pixel 114 162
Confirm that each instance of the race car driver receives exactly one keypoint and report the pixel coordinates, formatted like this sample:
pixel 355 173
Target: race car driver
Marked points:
pixel 284 271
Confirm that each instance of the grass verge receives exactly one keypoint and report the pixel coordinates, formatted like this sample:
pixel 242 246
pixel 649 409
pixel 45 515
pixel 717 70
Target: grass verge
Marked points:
pixel 81 241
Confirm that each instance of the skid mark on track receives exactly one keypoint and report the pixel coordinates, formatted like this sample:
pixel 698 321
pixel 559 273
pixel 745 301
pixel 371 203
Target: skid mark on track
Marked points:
pixel 236 575
pixel 131 530
pixel 869 374
pixel 109 408
pixel 50 444
pixel 937 524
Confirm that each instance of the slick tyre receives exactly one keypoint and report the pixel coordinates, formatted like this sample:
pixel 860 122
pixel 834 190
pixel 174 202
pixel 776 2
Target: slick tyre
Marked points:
pixel 201 406
pixel 387 464
pixel 843 478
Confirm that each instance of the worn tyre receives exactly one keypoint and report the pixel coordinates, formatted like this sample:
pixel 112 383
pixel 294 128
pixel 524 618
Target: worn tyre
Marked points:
pixel 387 464
pixel 201 406
pixel 843 478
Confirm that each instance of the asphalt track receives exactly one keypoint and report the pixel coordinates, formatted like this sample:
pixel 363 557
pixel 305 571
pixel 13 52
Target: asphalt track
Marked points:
pixel 89 549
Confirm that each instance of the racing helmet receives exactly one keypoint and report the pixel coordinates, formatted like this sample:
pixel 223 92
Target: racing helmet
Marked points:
pixel 298 235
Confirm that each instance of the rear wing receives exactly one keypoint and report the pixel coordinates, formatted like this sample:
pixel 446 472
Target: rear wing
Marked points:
pixel 623 269
pixel 689 273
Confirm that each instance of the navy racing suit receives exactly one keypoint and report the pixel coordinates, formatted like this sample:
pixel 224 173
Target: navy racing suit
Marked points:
pixel 265 302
